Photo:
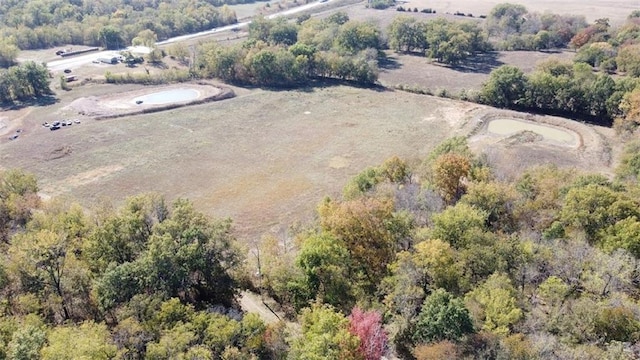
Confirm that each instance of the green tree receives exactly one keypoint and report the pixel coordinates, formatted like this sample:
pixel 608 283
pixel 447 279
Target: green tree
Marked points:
pixel 624 234
pixel 506 19
pixel 495 304
pixel 121 236
pixel 26 342
pixel 37 76
pixel 406 34
pixel 325 335
pixel 338 18
pixel 8 53
pixel 431 265
pixel 553 290
pixel 593 207
pixel 191 257
pixel 629 167
pixel 283 33
pixel 360 184
pixel 187 256
pixel 497 200
pixel 628 60
pixel 18 198
pixel 87 341
pixel 146 38
pixel 111 38
pixel 44 260
pixel 260 28
pixel 324 262
pixel 442 317
pixel 618 323
pixel 505 88
pixel 356 36
pixel 173 343
pixel 458 224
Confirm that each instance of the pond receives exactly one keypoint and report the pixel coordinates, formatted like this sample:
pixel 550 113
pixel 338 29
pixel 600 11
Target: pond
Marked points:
pixel 512 126
pixel 168 96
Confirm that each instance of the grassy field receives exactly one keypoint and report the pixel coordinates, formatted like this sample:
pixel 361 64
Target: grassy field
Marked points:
pixel 615 10
pixel 266 158
pixel 421 72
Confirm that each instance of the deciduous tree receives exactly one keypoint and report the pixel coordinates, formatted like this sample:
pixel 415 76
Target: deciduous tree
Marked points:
pixel 505 88
pixel 325 335
pixel 362 226
pixel 495 305
pixel 367 326
pixel 443 317
pixel 87 341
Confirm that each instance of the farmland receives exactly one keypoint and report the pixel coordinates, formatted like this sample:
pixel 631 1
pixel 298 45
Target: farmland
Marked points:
pixel 266 169
pixel 265 158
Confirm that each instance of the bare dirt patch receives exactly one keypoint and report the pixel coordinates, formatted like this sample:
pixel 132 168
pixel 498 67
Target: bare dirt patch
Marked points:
pixel 122 104
pixel 511 153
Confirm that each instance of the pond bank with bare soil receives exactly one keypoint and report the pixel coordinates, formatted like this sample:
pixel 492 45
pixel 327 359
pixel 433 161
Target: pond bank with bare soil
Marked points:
pixel 133 102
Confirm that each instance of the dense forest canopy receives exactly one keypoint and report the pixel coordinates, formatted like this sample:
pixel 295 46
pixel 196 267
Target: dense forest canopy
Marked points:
pixel 38 24
pixel 437 259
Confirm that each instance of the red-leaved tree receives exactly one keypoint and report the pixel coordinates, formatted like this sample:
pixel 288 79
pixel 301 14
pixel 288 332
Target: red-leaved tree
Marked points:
pixel 368 327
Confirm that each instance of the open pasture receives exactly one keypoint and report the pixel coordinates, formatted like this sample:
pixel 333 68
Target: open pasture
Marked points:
pixel 264 158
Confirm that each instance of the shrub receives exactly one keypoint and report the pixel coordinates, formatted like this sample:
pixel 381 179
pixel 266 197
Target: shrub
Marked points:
pixel 381 4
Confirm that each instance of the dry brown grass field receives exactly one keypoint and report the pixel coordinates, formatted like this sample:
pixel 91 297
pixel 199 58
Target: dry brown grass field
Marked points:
pixel 420 72
pixel 266 158
pixel 615 10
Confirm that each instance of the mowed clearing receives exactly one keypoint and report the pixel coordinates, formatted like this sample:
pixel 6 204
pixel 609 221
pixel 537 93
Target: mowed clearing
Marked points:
pixel 264 158
pixel 419 72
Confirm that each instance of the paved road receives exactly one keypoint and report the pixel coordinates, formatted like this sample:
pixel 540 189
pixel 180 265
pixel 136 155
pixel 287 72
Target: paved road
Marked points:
pixel 74 62
pixel 80 60
pixel 291 11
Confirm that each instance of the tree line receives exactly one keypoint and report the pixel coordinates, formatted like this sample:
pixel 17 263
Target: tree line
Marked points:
pixel 513 27
pixel 567 89
pixel 109 23
pixel 507 27
pixel 446 41
pixel 24 82
pixel 610 49
pixel 283 54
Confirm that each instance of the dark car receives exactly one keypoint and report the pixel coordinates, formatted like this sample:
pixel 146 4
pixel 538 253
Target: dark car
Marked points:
pixel 54 127
pixel 67 71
